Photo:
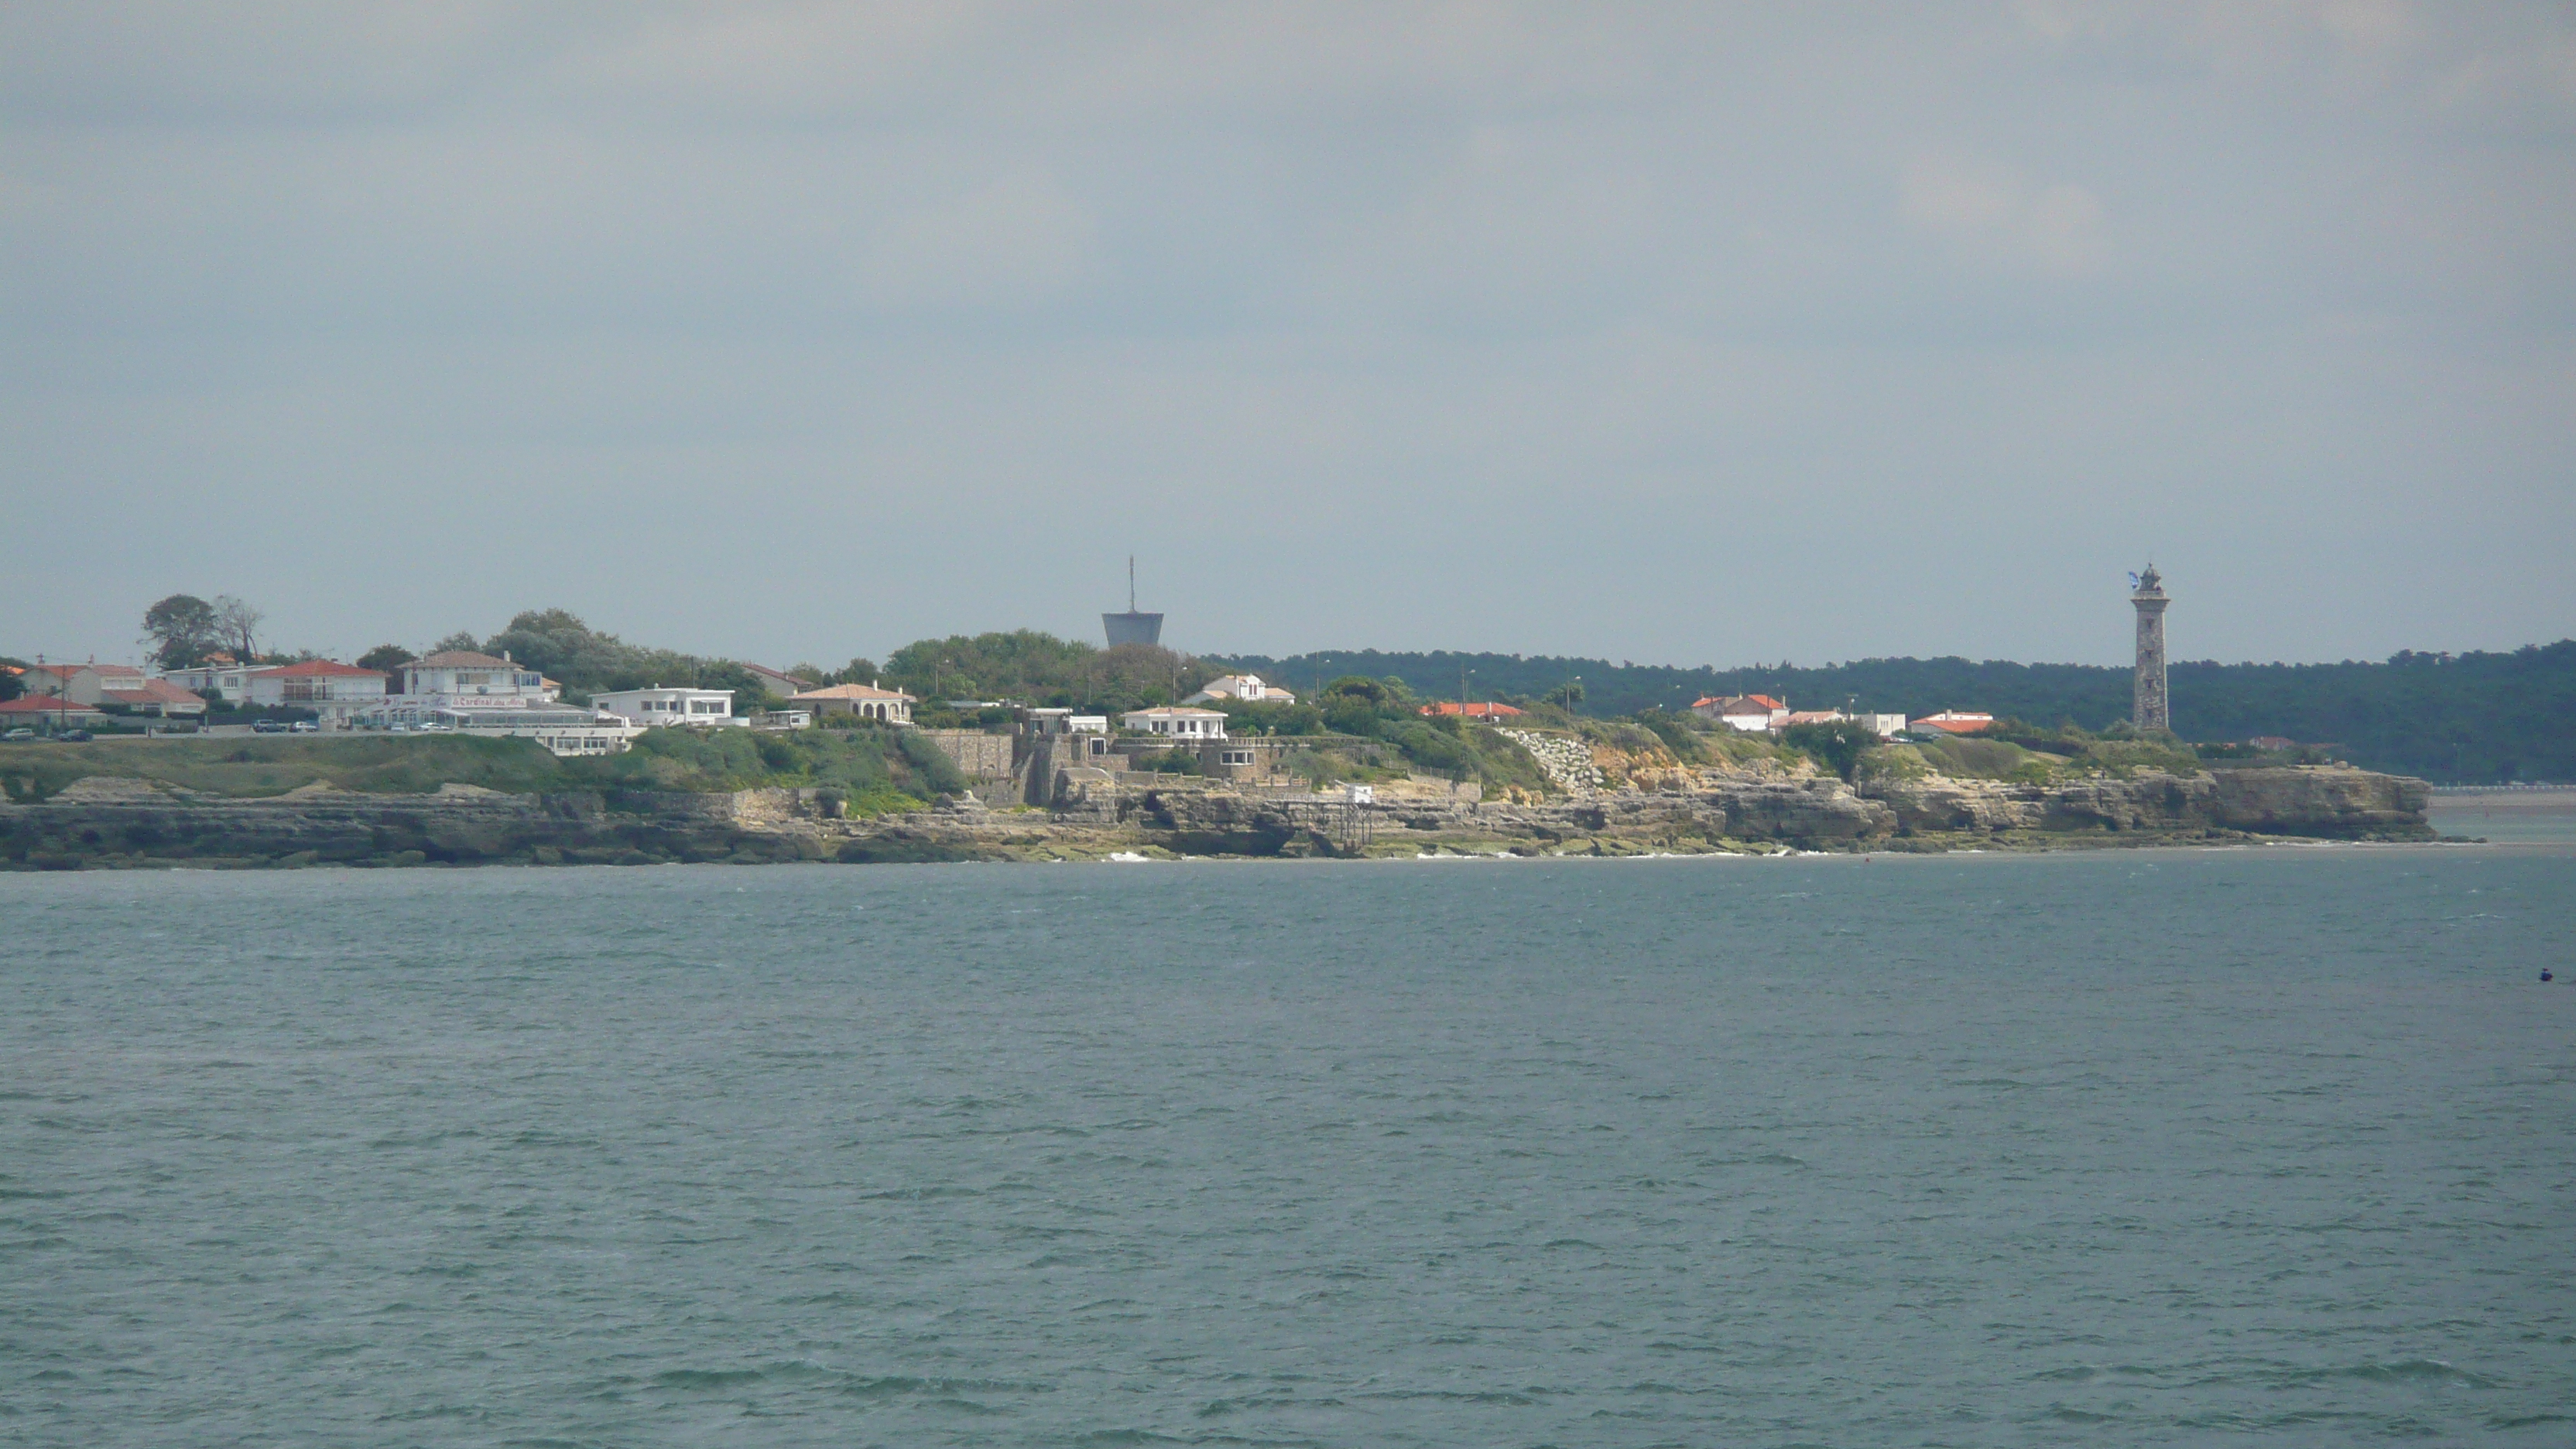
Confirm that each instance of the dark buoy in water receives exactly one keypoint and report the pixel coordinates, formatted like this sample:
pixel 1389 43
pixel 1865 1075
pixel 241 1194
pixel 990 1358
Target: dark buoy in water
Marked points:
pixel 2545 976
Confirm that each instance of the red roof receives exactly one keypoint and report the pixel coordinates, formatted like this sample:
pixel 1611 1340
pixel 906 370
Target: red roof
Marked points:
pixel 1956 722
pixel 1745 703
pixel 42 704
pixel 1479 710
pixel 317 667
pixel 153 691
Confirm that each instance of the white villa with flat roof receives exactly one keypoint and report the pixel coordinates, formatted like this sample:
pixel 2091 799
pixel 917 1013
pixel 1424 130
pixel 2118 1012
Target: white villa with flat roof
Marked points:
pixel 660 706
pixel 1176 721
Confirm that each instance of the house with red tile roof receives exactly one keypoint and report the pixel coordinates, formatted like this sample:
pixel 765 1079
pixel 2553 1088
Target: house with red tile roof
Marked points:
pixel 157 696
pixel 1954 722
pixel 46 712
pixel 1751 713
pixel 891 706
pixel 1473 709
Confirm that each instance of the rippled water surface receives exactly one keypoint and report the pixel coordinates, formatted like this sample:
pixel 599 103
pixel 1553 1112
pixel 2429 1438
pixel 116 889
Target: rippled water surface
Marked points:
pixel 2155 1147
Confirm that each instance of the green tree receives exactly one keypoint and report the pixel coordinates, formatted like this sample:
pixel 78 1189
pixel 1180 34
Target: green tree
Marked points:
pixel 386 657
pixel 750 691
pixel 182 629
pixel 1835 744
pixel 1358 705
pixel 11 686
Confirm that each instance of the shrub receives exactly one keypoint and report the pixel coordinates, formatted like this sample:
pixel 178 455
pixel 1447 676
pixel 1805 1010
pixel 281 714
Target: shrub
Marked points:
pixel 1835 744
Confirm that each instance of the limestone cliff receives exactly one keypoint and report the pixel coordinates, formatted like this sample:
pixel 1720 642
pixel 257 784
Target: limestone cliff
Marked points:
pixel 126 823
pixel 2327 802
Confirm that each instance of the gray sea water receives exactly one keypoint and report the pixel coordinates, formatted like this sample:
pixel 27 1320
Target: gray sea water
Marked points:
pixel 2168 1147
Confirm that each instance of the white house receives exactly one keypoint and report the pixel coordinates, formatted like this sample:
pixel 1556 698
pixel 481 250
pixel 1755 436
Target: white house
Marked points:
pixel 462 680
pixel 333 690
pixel 660 706
pixel 221 678
pixel 1246 687
pixel 91 683
pixel 1176 721
pixel 117 684
pixel 1751 713
pixel 892 706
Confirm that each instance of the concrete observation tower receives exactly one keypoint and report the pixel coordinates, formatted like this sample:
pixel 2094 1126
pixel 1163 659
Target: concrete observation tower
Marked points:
pixel 2150 710
pixel 1132 627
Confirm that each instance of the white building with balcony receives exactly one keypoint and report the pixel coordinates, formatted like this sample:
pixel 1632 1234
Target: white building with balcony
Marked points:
pixel 330 689
pixel 465 676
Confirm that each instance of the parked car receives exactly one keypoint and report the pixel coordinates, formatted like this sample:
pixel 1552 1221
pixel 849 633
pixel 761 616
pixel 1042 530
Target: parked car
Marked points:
pixel 304 727
pixel 78 737
pixel 20 733
pixel 267 727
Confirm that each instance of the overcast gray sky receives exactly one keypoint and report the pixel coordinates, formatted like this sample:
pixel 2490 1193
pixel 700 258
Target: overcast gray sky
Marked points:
pixel 1686 334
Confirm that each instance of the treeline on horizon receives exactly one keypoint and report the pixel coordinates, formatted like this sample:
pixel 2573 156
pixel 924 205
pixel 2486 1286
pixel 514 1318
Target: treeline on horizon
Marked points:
pixel 2457 718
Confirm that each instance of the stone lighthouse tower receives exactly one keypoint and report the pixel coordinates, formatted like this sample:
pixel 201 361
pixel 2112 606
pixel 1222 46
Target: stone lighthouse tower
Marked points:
pixel 2150 711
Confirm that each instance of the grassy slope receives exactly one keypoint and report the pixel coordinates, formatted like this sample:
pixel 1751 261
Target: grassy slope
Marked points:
pixel 273 764
pixel 870 775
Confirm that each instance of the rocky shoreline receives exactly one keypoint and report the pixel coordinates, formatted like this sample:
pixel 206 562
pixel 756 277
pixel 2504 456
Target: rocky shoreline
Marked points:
pixel 100 823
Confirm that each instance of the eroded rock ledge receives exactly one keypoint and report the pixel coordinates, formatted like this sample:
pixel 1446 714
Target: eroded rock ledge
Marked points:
pixel 102 823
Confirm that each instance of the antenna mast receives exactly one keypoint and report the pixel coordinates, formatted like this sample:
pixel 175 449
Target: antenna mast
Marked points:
pixel 1131 583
